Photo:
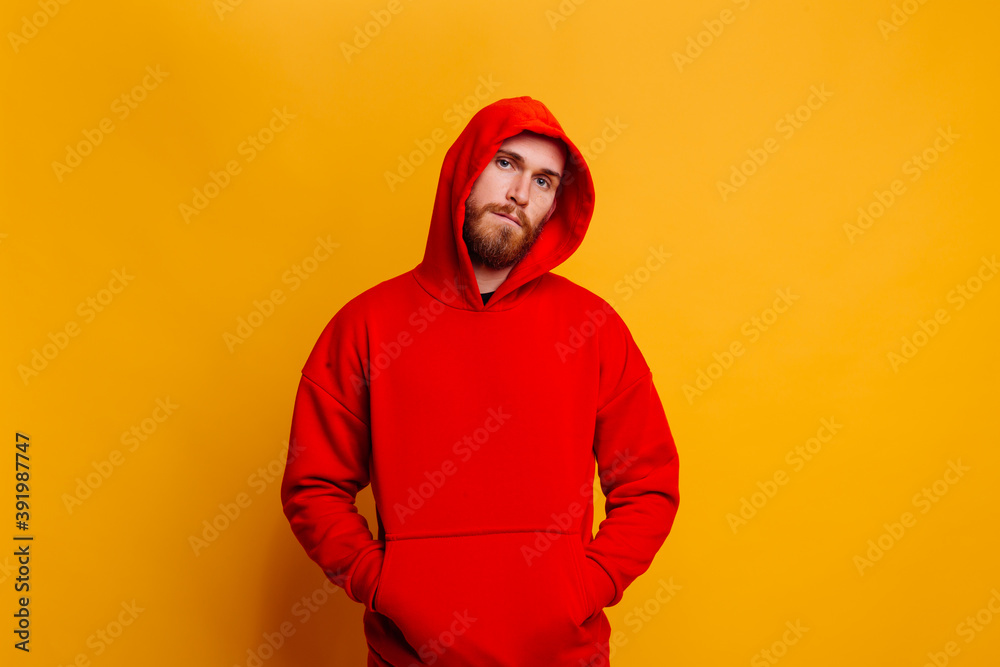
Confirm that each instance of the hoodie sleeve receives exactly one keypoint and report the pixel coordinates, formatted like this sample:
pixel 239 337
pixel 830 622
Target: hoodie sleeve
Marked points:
pixel 328 460
pixel 637 464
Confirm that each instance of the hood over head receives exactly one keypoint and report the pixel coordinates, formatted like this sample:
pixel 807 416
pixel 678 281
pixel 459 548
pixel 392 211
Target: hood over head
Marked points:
pixel 446 269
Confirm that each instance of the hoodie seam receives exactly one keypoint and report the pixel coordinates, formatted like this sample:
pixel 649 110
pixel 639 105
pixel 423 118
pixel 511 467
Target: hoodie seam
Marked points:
pixel 413 272
pixel 475 533
pixel 623 390
pixel 341 403
pixel 528 288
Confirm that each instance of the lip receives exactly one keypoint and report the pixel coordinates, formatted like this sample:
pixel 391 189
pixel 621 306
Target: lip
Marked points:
pixel 511 218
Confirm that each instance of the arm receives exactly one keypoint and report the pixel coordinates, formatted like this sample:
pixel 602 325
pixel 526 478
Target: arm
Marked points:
pixel 637 464
pixel 328 463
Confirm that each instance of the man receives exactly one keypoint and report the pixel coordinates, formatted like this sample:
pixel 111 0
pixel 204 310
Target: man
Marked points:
pixel 527 171
pixel 475 393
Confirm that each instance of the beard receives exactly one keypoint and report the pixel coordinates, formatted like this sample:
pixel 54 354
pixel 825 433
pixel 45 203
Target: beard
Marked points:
pixel 493 242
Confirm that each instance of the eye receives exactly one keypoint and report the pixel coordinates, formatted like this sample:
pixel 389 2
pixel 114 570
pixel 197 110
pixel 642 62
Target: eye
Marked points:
pixel 544 182
pixel 504 160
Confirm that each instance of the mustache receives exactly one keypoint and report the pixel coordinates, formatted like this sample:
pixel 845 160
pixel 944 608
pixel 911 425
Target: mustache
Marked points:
pixel 510 209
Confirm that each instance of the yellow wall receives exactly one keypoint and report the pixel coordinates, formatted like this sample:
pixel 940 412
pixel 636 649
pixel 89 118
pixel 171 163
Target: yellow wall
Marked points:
pixel 739 137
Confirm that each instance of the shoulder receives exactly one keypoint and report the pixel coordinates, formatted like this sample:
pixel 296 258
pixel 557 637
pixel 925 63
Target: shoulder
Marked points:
pixel 568 289
pixel 347 325
pixel 373 299
pixel 582 300
pixel 596 324
pixel 590 314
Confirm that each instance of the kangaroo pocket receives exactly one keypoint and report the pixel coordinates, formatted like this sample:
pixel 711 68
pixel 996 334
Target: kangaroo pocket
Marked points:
pixel 512 598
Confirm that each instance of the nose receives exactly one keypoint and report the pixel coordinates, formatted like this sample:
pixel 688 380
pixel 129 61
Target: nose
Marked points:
pixel 519 189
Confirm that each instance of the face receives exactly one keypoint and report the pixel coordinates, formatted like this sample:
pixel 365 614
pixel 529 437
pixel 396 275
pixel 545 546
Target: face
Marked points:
pixel 512 199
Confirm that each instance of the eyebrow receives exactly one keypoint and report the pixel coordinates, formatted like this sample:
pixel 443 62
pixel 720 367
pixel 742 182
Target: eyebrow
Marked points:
pixel 544 170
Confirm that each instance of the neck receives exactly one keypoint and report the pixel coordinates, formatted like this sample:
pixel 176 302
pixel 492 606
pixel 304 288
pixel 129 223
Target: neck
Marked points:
pixel 489 279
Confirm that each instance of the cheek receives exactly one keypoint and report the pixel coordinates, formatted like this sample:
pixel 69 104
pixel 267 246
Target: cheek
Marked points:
pixel 542 208
pixel 489 182
pixel 479 188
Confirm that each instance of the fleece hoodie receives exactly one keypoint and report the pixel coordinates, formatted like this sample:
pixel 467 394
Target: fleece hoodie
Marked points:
pixel 478 427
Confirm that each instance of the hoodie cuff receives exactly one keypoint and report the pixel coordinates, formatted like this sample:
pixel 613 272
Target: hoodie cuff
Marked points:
pixel 601 583
pixel 364 581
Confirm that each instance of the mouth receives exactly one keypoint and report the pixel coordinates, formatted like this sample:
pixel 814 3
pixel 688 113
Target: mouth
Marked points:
pixel 510 217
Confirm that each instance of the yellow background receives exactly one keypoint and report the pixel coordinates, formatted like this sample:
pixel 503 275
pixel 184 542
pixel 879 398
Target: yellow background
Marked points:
pixel 681 129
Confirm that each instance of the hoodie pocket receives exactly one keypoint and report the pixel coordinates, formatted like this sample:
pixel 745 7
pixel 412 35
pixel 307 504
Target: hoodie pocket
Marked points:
pixel 587 596
pixel 380 583
pixel 487 599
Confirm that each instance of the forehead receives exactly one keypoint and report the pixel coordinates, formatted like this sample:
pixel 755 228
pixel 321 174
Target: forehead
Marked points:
pixel 537 150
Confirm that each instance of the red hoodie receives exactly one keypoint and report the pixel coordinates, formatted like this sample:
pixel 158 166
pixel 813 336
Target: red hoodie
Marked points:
pixel 478 427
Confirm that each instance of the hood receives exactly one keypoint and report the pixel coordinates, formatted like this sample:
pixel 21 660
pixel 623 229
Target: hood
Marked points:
pixel 446 269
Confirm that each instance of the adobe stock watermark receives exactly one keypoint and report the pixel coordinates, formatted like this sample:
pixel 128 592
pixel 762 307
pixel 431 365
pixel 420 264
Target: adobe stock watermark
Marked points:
pixel 563 11
pixel 454 116
pixel 433 649
pixel 924 500
pixel 7 569
pixel 30 25
pixel 366 32
pixel 104 637
pixel 303 610
pixel 900 16
pixel 105 468
pixel 915 167
pixel 421 319
pixel 464 448
pixel 628 286
pixel 634 280
pixel 88 310
pixel 797 457
pixel 779 648
pixel 752 329
pixel 591 150
pixel 248 149
pixel 714 27
pixel 122 107
pixel 223 7
pixel 580 333
pixel 608 135
pixel 926 330
pixel 635 619
pixel 786 126
pixel 968 630
pixel 294 277
pixel 230 512
pixel 564 521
